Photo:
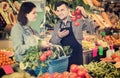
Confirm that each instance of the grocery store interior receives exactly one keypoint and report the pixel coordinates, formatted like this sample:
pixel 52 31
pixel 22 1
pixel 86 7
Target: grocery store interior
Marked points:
pixel 101 50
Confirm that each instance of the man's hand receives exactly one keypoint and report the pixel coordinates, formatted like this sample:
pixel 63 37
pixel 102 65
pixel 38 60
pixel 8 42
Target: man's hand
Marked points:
pixel 82 11
pixel 63 33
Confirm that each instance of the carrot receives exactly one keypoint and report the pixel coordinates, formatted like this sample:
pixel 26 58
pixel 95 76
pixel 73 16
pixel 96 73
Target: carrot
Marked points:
pixel 96 3
pixel 98 21
pixel 105 17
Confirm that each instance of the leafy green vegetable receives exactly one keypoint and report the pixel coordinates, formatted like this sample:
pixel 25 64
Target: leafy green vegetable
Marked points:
pixel 59 51
pixel 31 58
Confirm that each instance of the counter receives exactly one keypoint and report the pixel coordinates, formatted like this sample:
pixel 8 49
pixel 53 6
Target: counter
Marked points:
pixel 6 43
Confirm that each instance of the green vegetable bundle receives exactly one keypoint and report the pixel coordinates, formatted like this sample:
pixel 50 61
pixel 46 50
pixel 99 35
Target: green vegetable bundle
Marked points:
pixel 31 58
pixel 59 51
pixel 102 70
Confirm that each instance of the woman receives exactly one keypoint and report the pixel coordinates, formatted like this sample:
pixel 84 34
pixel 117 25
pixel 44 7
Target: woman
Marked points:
pixel 23 36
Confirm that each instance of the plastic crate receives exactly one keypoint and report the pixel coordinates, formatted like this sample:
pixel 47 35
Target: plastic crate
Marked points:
pixel 58 65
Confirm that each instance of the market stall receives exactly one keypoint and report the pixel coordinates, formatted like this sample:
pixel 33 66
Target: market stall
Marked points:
pixel 101 52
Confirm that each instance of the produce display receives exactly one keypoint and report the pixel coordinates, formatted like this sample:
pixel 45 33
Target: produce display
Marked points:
pixel 114 58
pixel 110 39
pixel 21 74
pixel 5 57
pixel 89 42
pixel 76 71
pixel 9 11
pixel 102 70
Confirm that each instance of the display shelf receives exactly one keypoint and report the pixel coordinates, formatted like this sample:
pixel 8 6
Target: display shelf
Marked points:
pixel 88 56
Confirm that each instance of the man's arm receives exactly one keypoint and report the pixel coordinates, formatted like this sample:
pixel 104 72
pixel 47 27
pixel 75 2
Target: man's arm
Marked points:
pixel 55 39
pixel 88 26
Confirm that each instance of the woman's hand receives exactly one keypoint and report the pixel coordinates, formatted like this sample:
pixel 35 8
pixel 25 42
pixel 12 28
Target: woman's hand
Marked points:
pixel 45 45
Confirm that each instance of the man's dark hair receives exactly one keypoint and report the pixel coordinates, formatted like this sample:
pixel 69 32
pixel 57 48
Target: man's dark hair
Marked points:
pixel 60 3
pixel 25 8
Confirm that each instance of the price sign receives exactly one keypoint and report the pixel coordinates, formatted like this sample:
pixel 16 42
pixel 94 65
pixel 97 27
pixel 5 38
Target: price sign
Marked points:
pixel 7 69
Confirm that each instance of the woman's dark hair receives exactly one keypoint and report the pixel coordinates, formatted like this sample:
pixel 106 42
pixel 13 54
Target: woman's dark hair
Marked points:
pixel 25 8
pixel 60 3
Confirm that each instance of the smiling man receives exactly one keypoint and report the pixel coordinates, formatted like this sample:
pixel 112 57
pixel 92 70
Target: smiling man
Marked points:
pixel 67 33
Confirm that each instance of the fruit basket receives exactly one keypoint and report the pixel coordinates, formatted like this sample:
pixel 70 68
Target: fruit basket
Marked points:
pixel 58 65
pixel 55 59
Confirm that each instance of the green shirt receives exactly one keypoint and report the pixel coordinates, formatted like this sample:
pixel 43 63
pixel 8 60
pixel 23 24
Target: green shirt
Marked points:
pixel 22 38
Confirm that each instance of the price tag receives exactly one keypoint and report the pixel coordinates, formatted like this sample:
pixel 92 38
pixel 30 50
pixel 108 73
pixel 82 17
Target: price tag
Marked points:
pixel 8 69
pixel 100 50
pixel 95 51
pixel 111 47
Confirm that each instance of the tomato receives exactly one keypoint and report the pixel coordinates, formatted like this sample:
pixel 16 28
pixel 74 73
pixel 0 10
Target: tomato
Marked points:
pixel 60 75
pixel 78 12
pixel 113 56
pixel 55 74
pixel 73 13
pixel 81 74
pixel 47 75
pixel 87 75
pixel 76 23
pixel 73 18
pixel 85 70
pixel 117 59
pixel 79 16
pixel 49 53
pixel 73 75
pixel 65 74
pixel 43 57
pixel 73 68
pixel 79 77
